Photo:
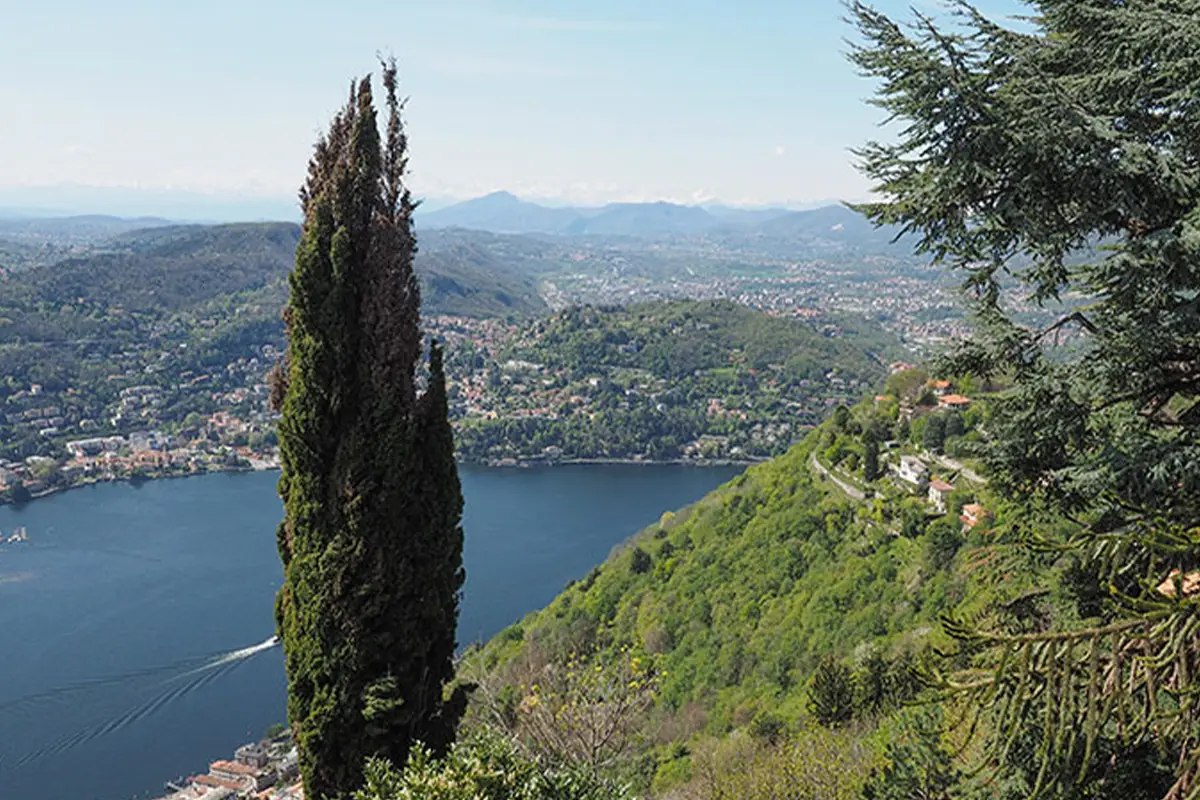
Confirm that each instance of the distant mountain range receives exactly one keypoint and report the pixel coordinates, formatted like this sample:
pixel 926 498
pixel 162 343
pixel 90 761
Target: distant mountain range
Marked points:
pixel 502 212
pixel 83 229
pixel 25 216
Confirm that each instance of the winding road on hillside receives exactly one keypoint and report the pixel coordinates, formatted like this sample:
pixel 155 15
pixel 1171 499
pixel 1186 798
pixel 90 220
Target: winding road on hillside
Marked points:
pixel 852 491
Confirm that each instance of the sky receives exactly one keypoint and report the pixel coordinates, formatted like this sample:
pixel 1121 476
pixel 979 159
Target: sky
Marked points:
pixel 748 103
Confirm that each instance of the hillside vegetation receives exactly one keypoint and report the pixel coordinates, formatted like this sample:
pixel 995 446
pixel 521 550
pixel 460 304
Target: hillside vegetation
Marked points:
pixel 219 286
pixel 669 380
pixel 675 339
pixel 772 636
pixel 736 601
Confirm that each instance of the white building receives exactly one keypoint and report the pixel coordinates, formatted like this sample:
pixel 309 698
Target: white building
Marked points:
pixel 913 470
pixel 939 492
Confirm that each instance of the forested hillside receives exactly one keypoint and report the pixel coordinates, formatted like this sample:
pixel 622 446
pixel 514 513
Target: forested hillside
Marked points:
pixel 222 284
pixel 666 380
pixel 775 630
pixel 674 340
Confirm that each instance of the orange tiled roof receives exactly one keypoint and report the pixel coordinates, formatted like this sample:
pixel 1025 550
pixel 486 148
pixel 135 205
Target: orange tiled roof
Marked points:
pixel 234 767
pixel 972 514
pixel 941 486
pixel 209 780
pixel 955 400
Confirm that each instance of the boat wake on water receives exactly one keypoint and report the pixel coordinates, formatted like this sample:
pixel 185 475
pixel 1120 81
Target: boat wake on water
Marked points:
pixel 178 680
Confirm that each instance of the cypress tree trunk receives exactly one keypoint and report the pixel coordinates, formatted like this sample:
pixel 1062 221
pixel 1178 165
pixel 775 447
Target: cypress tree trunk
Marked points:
pixel 371 541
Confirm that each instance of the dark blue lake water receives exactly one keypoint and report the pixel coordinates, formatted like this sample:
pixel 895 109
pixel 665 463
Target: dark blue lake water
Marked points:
pixel 133 624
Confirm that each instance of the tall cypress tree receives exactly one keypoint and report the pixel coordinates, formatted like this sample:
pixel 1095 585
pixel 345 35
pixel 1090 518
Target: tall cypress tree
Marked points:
pixel 870 457
pixel 371 541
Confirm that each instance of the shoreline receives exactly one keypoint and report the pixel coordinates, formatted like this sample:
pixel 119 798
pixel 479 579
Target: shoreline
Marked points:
pixel 495 463
pixel 125 479
pixel 513 463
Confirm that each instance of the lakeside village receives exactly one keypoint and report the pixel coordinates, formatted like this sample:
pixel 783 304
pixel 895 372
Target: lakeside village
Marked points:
pixel 61 436
pixel 136 456
pixel 263 770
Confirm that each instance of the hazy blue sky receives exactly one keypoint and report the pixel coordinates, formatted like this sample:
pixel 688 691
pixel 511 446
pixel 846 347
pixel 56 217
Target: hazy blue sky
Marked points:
pixel 748 101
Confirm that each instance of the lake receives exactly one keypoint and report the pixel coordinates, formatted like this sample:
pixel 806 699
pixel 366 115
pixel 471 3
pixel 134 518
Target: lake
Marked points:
pixel 134 622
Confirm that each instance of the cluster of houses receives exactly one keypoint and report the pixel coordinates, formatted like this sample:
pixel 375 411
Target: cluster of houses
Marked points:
pixel 266 770
pixel 114 457
pixel 46 420
pixel 947 400
pixel 915 472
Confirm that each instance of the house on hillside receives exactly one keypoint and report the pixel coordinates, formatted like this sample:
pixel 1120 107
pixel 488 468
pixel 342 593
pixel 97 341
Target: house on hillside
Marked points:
pixel 954 402
pixel 972 514
pixel 939 493
pixel 912 470
pixel 940 388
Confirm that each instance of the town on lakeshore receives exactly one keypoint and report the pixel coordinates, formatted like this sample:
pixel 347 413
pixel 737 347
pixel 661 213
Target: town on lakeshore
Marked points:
pixel 263 770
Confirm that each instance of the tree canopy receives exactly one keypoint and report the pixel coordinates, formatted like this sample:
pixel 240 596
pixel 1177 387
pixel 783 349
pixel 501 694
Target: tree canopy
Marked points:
pixel 1062 155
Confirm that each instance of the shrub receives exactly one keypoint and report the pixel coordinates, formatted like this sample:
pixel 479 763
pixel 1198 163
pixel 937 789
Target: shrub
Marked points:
pixel 484 766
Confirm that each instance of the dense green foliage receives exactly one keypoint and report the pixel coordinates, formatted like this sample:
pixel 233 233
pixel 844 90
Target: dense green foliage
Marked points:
pixel 675 339
pixel 481 767
pixel 741 595
pixel 217 290
pixel 776 606
pixel 674 379
pixel 371 542
pixel 1017 148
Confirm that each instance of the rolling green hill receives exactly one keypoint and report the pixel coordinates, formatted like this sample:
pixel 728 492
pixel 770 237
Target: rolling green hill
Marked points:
pixel 204 294
pixel 173 268
pixel 741 594
pixel 667 380
pixel 676 339
pixel 169 269
pixel 740 599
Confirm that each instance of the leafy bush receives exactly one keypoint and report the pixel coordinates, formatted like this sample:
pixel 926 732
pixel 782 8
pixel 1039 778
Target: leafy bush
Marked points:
pixel 815 763
pixel 480 767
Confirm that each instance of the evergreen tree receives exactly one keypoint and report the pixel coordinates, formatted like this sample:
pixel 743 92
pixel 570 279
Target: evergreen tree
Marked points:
pixel 955 425
pixel 872 683
pixel 1065 155
pixel 371 542
pixel 919 766
pixel 870 458
pixel 934 438
pixel 831 693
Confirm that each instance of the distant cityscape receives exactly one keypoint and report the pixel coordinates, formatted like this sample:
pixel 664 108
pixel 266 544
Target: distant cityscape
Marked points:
pixel 180 422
